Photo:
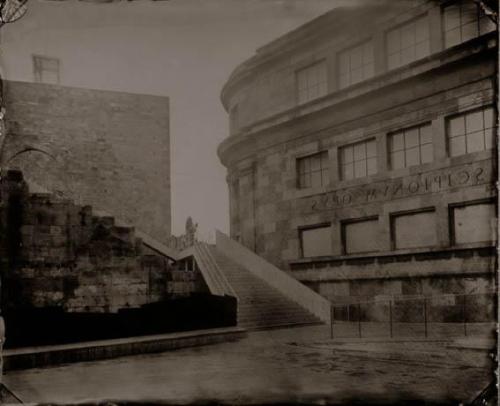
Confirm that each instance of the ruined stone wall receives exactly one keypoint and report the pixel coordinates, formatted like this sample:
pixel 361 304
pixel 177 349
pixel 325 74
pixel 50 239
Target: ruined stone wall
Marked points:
pixel 58 254
pixel 100 148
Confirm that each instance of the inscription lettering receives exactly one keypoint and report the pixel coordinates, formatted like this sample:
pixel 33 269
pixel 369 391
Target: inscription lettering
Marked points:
pixel 478 172
pixel 431 182
pixel 413 187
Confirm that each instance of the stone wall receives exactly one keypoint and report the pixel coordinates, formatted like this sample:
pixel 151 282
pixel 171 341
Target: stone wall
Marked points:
pixel 268 209
pixel 467 271
pixel 105 149
pixel 58 254
pixel 271 211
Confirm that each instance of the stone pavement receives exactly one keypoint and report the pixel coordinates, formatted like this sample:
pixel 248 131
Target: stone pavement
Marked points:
pixel 286 365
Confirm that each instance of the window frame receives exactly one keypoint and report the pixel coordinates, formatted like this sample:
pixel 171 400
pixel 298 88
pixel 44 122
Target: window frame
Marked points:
pixel 298 71
pixel 403 132
pixel 38 68
pixel 398 27
pixel 394 215
pixel 301 229
pixel 343 234
pixel 449 117
pixel 342 163
pixel 349 49
pixel 324 171
pixel 451 218
pixel 234 122
pixel 443 25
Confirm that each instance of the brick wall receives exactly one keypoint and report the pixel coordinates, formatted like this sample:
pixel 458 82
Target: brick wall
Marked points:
pixel 55 253
pixel 108 149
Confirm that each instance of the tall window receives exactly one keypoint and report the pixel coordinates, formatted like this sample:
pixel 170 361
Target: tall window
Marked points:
pixel 312 170
pixel 235 200
pixel 412 146
pixel 46 70
pixel 234 119
pixel 464 20
pixel 312 82
pixel 358 160
pixel 316 241
pixel 408 43
pixel 471 131
pixel 356 64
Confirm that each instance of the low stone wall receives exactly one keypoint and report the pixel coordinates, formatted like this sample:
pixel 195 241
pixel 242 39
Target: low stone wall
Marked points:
pixel 91 351
pixel 452 271
pixel 53 326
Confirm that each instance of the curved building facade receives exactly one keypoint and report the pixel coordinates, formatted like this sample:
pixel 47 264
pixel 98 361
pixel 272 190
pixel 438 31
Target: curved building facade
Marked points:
pixel 362 150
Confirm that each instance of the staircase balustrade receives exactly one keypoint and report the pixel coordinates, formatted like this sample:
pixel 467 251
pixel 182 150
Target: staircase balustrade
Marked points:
pixel 214 278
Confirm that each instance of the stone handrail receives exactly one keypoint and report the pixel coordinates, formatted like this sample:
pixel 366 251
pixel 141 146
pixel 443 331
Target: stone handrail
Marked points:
pixel 227 288
pixel 214 278
pixel 277 278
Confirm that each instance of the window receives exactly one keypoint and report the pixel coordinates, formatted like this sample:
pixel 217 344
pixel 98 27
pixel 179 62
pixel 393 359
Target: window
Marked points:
pixel 316 241
pixel 234 119
pixel 359 160
pixel 412 146
pixel 408 43
pixel 360 236
pixel 471 131
pixel 356 64
pixel 464 20
pixel 311 82
pixel 235 200
pixel 474 222
pixel 46 70
pixel 414 230
pixel 312 170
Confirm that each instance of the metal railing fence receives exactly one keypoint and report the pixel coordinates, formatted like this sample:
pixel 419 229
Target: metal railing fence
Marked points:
pixel 416 316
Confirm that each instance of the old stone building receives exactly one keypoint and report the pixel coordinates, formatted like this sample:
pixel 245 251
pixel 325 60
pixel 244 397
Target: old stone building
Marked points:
pixel 361 154
pixel 107 149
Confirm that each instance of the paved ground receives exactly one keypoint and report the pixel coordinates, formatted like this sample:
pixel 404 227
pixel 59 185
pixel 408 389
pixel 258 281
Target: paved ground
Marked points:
pixel 270 366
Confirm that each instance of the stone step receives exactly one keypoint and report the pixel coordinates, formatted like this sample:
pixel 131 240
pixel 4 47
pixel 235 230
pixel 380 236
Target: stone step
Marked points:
pixel 271 316
pixel 260 305
pixel 260 308
pixel 264 326
pixel 263 304
pixel 263 295
pixel 273 310
pixel 290 309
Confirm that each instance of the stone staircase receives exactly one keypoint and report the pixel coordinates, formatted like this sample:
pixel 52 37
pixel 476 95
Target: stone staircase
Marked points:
pixel 260 306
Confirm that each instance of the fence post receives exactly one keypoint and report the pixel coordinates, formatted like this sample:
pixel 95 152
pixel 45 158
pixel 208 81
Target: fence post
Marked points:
pixel 464 309
pixel 359 319
pixel 390 316
pixel 332 317
pixel 425 316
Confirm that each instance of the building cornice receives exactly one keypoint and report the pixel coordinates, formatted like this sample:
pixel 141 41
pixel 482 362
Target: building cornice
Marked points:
pixel 248 135
pixel 338 21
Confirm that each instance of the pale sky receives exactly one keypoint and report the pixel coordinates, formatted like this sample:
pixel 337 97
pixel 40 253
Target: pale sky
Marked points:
pixel 184 49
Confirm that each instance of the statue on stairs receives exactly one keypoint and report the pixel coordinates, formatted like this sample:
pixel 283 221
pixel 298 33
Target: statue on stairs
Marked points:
pixel 191 228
